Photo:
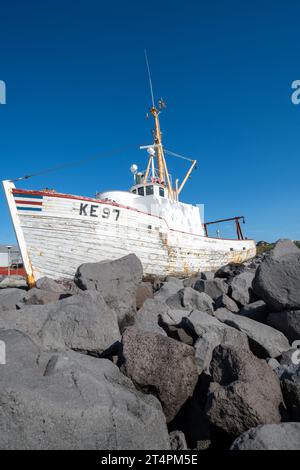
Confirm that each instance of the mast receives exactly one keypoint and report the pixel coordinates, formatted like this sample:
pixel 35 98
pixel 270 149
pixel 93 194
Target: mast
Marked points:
pixel 158 142
pixel 157 149
pixel 159 153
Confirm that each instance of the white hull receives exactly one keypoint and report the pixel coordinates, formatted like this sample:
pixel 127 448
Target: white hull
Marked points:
pixel 56 233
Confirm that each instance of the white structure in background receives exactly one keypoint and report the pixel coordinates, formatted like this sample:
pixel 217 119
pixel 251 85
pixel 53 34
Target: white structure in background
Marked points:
pixel 9 256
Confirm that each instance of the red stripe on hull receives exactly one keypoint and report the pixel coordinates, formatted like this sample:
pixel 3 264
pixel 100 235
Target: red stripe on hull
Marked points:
pixel 30 203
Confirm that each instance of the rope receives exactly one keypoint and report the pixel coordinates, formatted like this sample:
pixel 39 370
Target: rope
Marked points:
pixel 178 155
pixel 74 163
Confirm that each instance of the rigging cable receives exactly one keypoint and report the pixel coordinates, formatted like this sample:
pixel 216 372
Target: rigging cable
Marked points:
pixel 74 163
pixel 150 79
pixel 173 154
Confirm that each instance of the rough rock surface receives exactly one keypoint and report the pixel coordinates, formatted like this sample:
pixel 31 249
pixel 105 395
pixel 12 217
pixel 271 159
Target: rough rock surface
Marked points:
pixel 189 299
pixel 244 386
pixel 82 322
pixel 175 280
pixel 147 318
pixel 230 270
pixel 191 281
pixel 207 275
pixel 257 311
pixel 207 331
pixel 188 356
pixel 277 279
pixel 160 365
pixel 50 285
pixel 167 290
pixel 290 380
pixel 283 247
pixel 287 322
pixel 213 288
pixel 144 291
pixel 72 401
pixel 264 341
pixel 283 436
pixel 13 282
pixel 241 288
pixel 177 440
pixel 211 334
pixel 11 298
pixel 41 296
pixel 117 281
pixel 226 302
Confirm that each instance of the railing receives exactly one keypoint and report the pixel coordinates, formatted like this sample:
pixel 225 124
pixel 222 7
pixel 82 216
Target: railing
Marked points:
pixel 239 232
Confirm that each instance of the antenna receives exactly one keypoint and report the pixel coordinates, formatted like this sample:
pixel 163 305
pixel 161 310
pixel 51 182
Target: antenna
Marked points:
pixel 149 76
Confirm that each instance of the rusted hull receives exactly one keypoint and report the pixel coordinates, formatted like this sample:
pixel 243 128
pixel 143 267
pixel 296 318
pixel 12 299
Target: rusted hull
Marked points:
pixel 57 233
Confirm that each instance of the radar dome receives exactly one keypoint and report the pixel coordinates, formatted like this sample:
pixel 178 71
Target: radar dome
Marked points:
pixel 134 169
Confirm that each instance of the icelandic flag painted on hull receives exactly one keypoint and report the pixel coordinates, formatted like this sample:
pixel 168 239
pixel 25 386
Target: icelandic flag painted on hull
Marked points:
pixel 28 202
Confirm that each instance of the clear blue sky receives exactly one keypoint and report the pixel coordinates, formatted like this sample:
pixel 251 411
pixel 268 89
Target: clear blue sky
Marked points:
pixel 77 87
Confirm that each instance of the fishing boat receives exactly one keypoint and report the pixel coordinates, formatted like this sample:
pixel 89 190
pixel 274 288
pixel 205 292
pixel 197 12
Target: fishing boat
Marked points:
pixel 57 232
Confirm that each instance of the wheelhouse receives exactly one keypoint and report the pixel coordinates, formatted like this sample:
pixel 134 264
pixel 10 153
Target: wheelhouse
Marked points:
pixel 150 189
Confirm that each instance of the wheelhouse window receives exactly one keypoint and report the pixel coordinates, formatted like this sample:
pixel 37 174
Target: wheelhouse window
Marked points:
pixel 161 192
pixel 141 191
pixel 149 190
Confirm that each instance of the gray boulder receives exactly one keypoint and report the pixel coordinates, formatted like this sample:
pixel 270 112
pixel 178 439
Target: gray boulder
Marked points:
pixel 167 290
pixel 290 381
pixel 277 279
pixel 117 281
pixel 291 393
pixel 283 247
pixel 177 441
pixel 287 322
pixel 191 281
pixel 67 286
pixel 213 288
pixel 207 275
pixel 160 365
pixel 226 302
pixel 291 357
pixel 13 281
pixel 273 363
pixel 50 285
pixel 11 298
pixel 257 311
pixel 41 297
pixel 211 333
pixel 264 341
pixel 144 291
pixel 147 318
pixel 81 322
pixel 241 288
pixel 244 386
pixel 70 401
pixel 175 322
pixel 208 332
pixel 283 436
pixel 189 299
pixel 175 280
pixel 230 270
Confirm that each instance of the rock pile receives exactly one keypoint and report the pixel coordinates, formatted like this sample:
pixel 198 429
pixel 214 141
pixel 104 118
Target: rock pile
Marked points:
pixel 109 361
